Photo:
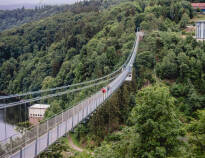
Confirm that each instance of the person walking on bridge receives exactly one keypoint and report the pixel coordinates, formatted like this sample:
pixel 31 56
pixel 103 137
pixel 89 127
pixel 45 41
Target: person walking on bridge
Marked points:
pixel 104 92
pixel 108 89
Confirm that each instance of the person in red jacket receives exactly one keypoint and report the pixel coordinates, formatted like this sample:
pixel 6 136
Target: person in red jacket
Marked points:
pixel 103 90
pixel 104 93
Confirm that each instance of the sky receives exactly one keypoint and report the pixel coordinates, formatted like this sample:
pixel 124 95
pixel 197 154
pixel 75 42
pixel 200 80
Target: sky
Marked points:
pixel 11 2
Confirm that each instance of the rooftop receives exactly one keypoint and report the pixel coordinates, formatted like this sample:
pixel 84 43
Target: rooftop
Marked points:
pixel 198 5
pixel 40 106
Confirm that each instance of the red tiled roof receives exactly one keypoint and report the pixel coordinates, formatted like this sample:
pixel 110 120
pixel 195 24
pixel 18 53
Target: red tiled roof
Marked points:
pixel 198 5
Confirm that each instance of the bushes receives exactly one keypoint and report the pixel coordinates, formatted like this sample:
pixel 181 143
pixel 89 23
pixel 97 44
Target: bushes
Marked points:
pixel 179 90
pixel 154 129
pixel 168 68
pixel 197 137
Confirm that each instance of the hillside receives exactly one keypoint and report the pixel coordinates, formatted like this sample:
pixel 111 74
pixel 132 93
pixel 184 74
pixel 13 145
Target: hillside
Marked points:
pixel 164 118
pixel 160 114
pixel 66 48
pixel 17 17
pixel 13 15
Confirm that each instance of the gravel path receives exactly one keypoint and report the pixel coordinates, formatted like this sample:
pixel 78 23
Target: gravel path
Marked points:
pixel 73 146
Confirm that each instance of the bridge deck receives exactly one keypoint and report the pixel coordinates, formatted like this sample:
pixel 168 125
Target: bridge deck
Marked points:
pixel 40 137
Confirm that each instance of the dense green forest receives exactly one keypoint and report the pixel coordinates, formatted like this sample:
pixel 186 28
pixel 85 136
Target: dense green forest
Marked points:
pixel 165 117
pixel 159 114
pixel 17 17
pixel 70 47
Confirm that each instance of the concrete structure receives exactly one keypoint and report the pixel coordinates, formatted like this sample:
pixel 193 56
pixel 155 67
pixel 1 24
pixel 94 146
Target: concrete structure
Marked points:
pixel 36 113
pixel 200 29
pixel 200 6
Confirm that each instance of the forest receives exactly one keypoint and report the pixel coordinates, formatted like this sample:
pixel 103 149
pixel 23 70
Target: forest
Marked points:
pixel 17 17
pixel 159 114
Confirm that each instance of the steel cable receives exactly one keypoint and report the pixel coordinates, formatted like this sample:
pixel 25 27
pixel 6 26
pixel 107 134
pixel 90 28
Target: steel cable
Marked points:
pixel 68 86
pixel 2 106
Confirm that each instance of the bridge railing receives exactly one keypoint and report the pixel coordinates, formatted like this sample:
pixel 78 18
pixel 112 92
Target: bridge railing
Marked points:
pixel 35 140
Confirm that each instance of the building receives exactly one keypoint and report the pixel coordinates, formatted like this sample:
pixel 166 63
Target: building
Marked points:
pixel 200 6
pixel 36 113
pixel 200 29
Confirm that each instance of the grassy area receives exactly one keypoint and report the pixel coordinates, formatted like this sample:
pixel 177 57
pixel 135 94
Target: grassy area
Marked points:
pixel 70 152
pixel 85 153
pixel 65 140
pixel 75 141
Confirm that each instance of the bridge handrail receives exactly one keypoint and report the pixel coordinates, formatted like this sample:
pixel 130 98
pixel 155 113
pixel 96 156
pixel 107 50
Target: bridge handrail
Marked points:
pixel 75 110
pixel 53 95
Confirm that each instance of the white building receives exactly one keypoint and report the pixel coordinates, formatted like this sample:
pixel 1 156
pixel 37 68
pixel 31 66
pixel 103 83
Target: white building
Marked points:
pixel 200 29
pixel 37 112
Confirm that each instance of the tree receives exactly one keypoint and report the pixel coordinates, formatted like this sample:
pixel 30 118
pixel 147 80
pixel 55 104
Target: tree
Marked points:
pixel 56 64
pixel 184 20
pixel 121 144
pixel 183 61
pixel 48 82
pixel 146 58
pixel 168 68
pixel 55 151
pixel 197 137
pixel 156 123
pixel 111 56
pixel 155 130
pixel 150 23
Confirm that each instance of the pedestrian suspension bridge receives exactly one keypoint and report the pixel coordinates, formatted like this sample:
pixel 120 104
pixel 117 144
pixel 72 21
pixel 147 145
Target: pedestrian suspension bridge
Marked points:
pixel 38 138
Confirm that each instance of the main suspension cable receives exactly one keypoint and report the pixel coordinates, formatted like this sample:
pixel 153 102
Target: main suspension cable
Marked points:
pixel 2 106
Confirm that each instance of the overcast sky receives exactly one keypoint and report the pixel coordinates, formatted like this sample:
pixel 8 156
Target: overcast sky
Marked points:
pixel 10 2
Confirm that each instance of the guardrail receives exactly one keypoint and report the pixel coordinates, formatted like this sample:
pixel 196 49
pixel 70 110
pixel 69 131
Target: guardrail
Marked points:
pixel 38 138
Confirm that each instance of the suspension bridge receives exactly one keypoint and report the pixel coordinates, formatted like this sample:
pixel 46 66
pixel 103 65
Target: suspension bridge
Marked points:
pixel 38 138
